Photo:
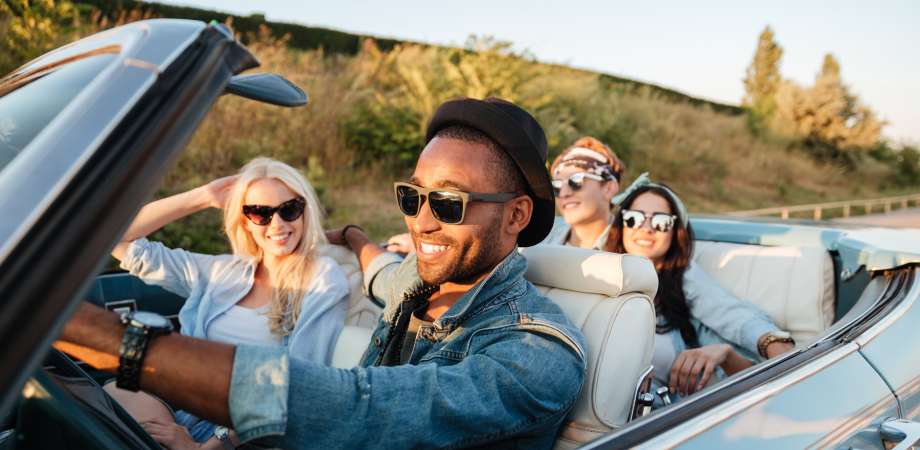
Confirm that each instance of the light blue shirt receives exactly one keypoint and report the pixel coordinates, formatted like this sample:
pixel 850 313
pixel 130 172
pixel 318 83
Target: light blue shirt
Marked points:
pixel 737 321
pixel 212 284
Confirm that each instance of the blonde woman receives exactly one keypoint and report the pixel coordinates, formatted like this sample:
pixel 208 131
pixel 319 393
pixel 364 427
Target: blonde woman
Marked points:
pixel 276 289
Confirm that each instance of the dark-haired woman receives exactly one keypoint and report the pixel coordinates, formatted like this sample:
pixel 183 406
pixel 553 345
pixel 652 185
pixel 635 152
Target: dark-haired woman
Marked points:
pixel 709 329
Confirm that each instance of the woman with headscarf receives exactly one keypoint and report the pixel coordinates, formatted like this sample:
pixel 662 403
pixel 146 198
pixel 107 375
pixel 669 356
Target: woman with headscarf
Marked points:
pixel 698 314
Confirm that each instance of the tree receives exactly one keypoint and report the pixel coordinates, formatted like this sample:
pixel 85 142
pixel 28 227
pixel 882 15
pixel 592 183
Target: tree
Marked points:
pixel 830 67
pixel 826 117
pixel 763 73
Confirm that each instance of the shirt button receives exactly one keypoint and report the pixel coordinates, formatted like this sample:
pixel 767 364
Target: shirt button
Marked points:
pixel 377 341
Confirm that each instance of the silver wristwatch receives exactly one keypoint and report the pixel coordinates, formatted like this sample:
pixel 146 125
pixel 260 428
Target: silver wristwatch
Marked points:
pixel 223 434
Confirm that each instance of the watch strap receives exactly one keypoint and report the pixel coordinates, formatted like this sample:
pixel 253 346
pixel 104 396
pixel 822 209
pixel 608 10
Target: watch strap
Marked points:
pixel 769 339
pixel 223 434
pixel 131 355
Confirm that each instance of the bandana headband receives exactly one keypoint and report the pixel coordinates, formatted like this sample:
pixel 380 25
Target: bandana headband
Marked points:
pixel 644 181
pixel 588 160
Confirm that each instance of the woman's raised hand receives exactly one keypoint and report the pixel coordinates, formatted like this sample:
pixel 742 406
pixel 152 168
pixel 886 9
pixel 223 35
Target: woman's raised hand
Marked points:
pixel 219 189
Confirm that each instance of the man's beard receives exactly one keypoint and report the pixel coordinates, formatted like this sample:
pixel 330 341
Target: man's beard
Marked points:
pixel 469 259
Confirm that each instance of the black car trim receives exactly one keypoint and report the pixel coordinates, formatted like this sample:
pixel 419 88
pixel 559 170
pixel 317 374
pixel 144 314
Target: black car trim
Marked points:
pixel 646 428
pixel 74 235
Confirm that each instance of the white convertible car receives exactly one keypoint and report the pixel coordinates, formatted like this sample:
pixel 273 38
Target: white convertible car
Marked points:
pixel 88 132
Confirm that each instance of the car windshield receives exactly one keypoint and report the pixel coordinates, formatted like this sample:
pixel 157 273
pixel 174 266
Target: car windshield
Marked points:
pixel 28 103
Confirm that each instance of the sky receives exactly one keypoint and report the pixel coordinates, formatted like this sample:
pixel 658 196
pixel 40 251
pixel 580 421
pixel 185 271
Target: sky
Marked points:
pixel 701 48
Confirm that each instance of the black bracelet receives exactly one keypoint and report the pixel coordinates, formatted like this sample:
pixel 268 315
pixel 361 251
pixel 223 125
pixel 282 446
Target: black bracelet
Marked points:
pixel 344 230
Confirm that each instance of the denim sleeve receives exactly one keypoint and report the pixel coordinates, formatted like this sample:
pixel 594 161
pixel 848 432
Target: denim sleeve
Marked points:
pixel 176 270
pixel 523 384
pixel 379 276
pixel 736 320
pixel 707 336
pixel 322 314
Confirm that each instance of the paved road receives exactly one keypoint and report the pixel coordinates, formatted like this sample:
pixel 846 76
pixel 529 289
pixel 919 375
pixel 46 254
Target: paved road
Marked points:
pixel 907 218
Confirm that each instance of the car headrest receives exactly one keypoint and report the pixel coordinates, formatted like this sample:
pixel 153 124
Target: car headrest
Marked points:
pixel 590 271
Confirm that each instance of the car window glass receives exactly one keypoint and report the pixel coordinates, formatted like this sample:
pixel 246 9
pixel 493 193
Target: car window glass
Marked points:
pixel 27 108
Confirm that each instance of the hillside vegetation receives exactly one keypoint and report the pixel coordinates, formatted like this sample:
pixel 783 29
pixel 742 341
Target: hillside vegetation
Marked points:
pixel 363 129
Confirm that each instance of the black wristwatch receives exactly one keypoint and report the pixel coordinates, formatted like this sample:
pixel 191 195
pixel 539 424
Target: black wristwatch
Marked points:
pixel 143 326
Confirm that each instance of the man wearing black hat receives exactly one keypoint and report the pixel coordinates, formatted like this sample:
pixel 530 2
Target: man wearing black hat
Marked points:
pixel 467 353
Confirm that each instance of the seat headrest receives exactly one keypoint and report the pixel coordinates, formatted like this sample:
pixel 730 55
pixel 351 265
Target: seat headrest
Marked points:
pixel 590 271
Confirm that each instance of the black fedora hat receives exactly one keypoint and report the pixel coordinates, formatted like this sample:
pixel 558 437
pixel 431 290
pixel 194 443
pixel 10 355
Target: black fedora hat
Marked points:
pixel 522 137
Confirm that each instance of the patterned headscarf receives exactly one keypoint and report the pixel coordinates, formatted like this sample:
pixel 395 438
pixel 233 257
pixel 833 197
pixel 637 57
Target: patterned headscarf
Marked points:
pixel 588 160
pixel 644 181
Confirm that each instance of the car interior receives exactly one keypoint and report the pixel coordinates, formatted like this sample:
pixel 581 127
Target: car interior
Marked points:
pixel 608 296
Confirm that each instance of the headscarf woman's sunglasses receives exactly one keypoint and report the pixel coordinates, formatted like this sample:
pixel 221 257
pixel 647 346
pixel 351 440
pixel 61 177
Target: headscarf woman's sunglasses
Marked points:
pixel 660 222
pixel 447 205
pixel 289 211
pixel 575 181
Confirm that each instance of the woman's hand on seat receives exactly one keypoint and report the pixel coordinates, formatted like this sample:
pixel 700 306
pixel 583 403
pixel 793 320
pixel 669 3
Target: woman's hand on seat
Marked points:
pixel 690 364
pixel 219 189
pixel 171 436
pixel 401 243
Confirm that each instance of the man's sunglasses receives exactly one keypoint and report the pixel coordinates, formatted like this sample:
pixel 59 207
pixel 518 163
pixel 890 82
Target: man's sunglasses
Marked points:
pixel 289 211
pixel 660 222
pixel 447 205
pixel 576 181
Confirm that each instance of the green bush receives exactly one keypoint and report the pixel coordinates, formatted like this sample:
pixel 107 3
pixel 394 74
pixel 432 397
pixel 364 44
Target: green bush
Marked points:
pixel 384 133
pixel 904 163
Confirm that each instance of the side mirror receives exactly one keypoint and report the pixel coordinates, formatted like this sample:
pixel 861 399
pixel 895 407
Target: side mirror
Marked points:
pixel 267 88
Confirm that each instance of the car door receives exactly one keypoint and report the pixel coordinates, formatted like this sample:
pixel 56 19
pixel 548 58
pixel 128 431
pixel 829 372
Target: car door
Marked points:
pixel 827 396
pixel 71 188
pixel 892 349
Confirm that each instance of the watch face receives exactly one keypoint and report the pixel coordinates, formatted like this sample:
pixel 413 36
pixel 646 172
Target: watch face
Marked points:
pixel 782 334
pixel 150 319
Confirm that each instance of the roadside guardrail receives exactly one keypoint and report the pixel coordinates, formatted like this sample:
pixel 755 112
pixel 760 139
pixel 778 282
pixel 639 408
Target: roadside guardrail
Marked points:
pixel 784 211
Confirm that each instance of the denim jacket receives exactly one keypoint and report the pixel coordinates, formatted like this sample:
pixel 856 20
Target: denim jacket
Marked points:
pixel 500 368
pixel 212 284
pixel 736 320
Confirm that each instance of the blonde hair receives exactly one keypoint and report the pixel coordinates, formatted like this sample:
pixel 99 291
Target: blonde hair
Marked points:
pixel 296 271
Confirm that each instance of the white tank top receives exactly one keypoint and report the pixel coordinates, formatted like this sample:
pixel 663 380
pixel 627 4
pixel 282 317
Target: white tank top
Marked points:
pixel 663 358
pixel 239 325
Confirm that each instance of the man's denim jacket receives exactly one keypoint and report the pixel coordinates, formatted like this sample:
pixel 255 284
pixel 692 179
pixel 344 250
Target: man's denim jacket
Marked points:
pixel 736 320
pixel 500 368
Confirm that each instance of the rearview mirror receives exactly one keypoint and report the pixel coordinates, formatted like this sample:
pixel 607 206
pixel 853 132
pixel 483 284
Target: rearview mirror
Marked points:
pixel 267 88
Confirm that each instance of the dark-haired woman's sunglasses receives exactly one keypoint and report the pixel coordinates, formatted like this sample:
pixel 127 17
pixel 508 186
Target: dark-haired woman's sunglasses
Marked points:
pixel 660 222
pixel 576 181
pixel 447 205
pixel 289 211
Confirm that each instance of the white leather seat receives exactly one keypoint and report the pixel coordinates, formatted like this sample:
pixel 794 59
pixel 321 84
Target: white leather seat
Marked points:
pixel 794 285
pixel 361 311
pixel 362 315
pixel 609 297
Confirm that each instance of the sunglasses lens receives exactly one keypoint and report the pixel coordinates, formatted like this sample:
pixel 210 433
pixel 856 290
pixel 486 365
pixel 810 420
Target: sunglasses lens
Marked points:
pixel 291 210
pixel 633 219
pixel 447 207
pixel 662 222
pixel 557 186
pixel 576 182
pixel 259 215
pixel 408 200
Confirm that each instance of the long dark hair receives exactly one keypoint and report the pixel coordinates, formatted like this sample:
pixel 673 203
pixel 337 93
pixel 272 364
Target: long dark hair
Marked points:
pixel 670 302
